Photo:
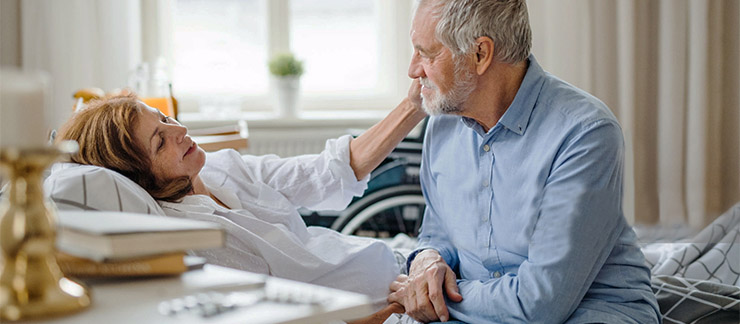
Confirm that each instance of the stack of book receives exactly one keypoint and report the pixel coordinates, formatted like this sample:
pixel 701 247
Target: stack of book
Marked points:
pixel 114 244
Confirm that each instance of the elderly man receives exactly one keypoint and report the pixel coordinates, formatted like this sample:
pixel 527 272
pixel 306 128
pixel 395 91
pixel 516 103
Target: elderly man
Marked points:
pixel 522 175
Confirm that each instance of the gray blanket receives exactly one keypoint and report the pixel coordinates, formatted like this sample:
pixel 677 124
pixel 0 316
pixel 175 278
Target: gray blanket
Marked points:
pixel 698 280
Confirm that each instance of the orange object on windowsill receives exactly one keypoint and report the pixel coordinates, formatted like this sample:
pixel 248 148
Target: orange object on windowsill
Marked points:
pixel 164 105
pixel 167 105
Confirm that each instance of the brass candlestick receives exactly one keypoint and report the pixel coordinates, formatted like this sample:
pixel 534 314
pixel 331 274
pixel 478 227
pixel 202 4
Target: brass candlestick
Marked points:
pixel 31 283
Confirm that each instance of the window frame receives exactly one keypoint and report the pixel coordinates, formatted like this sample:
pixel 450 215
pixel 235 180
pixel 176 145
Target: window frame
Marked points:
pixel 395 52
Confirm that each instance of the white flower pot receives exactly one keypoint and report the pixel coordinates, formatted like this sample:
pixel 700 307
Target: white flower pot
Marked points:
pixel 286 95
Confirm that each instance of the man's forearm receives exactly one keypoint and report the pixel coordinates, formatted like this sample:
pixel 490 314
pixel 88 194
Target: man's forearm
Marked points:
pixel 371 148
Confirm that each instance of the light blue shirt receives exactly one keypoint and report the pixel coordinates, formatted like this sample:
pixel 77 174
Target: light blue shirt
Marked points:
pixel 529 214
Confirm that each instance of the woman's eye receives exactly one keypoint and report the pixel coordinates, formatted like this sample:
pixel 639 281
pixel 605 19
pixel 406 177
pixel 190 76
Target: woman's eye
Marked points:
pixel 161 143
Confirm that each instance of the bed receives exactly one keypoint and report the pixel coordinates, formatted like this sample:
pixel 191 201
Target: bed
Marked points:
pixel 697 279
pixel 696 276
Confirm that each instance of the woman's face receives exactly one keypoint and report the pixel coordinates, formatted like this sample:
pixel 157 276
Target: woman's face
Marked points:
pixel 172 152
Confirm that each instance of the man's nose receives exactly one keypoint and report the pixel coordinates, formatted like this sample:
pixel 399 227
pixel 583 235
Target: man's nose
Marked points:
pixel 415 68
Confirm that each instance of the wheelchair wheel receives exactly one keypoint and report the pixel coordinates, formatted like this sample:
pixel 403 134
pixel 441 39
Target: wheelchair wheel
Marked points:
pixel 384 213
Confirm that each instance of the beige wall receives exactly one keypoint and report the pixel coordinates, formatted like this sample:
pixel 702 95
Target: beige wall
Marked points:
pixel 669 70
pixel 10 31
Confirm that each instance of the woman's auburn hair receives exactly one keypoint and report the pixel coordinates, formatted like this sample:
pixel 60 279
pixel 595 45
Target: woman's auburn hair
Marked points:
pixel 104 130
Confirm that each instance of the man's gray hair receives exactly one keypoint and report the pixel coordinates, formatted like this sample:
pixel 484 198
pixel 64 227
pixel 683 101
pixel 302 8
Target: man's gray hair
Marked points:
pixel 506 22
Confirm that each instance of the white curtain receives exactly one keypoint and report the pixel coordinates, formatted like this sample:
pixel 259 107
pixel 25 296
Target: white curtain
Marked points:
pixel 669 70
pixel 80 43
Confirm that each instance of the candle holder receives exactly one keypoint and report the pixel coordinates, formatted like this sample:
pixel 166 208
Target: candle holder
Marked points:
pixel 31 283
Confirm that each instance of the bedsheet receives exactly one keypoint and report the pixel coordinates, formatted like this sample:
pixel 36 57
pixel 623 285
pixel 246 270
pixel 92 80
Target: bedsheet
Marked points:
pixel 697 280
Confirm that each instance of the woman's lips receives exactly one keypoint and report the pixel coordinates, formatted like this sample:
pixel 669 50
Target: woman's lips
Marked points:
pixel 191 149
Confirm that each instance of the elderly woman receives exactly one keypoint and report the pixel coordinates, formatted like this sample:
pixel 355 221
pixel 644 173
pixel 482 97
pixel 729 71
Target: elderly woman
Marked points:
pixel 254 198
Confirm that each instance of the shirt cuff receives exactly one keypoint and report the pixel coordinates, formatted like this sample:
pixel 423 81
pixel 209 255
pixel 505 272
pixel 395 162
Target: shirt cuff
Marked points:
pixel 411 258
pixel 339 149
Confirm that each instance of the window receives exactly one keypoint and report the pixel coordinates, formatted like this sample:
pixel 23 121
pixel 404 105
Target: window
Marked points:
pixel 355 53
pixel 338 39
pixel 219 47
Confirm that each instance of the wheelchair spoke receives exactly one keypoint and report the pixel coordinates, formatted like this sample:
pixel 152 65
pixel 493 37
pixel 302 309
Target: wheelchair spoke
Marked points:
pixel 398 212
pixel 385 213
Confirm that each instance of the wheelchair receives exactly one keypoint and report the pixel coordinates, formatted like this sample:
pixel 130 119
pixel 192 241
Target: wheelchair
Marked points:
pixel 392 203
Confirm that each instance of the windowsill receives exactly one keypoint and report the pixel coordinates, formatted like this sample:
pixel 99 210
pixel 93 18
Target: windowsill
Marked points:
pixel 306 119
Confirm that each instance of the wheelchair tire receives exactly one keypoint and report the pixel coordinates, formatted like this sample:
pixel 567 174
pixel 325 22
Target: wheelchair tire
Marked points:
pixel 384 213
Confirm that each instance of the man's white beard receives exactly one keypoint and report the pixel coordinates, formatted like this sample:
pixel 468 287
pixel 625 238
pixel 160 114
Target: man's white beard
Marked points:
pixel 450 103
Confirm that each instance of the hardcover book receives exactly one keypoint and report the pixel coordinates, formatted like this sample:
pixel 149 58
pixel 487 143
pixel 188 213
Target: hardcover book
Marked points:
pixel 114 235
pixel 165 264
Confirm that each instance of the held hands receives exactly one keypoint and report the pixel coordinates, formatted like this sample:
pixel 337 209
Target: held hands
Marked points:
pixel 422 291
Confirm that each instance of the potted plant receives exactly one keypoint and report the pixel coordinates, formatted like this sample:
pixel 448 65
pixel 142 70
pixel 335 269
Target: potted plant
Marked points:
pixel 286 71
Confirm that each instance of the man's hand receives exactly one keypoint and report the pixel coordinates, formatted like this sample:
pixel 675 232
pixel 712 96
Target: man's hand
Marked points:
pixel 421 292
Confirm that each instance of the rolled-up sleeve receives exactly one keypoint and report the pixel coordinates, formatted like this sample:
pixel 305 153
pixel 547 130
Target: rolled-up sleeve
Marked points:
pixel 321 181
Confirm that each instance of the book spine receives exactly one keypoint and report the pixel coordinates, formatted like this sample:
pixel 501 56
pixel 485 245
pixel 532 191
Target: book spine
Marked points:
pixel 143 267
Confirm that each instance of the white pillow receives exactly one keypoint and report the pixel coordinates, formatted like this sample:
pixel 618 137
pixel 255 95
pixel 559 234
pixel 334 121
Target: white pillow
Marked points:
pixel 87 187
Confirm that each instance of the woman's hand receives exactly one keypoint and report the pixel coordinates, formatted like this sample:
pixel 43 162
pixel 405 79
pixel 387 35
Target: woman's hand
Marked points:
pixel 369 149
pixel 380 316
pixel 415 94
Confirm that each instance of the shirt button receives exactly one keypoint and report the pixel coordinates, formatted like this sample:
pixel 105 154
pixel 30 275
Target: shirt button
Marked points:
pixel 486 148
pixel 497 274
pixel 485 183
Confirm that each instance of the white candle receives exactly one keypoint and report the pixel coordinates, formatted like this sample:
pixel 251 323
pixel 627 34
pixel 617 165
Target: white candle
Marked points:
pixel 23 100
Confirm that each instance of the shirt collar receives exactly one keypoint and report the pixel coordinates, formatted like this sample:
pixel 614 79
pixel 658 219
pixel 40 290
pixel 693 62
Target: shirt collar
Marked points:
pixel 226 196
pixel 516 117
pixel 191 203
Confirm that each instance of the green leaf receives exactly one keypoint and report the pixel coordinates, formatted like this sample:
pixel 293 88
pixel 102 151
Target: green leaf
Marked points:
pixel 285 64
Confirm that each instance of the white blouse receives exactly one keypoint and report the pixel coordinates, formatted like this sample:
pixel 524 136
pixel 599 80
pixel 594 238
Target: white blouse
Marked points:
pixel 265 233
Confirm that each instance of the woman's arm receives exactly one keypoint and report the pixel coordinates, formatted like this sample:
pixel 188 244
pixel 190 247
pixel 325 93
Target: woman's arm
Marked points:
pixel 330 179
pixel 381 315
pixel 369 149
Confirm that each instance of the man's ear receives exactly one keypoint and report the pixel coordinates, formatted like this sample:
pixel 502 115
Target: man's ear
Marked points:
pixel 483 54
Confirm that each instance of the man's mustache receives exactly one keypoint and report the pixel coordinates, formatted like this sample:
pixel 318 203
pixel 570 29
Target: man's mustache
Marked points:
pixel 426 83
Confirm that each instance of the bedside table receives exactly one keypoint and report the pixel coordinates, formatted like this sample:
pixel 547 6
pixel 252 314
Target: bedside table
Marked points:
pixel 140 300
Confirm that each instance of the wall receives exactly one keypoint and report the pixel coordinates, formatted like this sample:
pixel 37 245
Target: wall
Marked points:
pixel 10 49
pixel 80 43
